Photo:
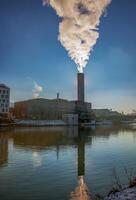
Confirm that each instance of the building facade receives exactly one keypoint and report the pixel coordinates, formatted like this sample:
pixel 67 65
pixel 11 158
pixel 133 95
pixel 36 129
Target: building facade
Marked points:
pixel 51 109
pixel 4 99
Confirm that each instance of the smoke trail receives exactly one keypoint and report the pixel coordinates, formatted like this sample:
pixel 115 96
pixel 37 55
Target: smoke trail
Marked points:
pixel 37 90
pixel 78 30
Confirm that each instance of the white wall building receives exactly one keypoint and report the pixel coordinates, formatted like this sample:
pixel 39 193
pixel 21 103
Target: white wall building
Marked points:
pixel 4 99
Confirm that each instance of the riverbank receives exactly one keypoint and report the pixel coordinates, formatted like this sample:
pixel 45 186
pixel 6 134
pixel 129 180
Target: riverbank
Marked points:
pixel 41 123
pixel 5 122
pixel 127 193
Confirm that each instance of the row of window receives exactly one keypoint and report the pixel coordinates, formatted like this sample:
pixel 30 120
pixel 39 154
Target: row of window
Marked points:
pixel 4 105
pixel 4 96
pixel 4 101
pixel 4 91
pixel 4 110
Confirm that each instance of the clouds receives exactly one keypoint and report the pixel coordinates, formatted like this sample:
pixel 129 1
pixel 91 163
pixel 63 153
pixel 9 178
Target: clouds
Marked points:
pixel 26 88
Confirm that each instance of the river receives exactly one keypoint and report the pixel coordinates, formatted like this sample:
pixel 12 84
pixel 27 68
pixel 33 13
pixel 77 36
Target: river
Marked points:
pixel 52 163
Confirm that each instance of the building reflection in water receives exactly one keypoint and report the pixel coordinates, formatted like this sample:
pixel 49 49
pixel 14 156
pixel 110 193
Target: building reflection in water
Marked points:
pixel 58 137
pixel 3 149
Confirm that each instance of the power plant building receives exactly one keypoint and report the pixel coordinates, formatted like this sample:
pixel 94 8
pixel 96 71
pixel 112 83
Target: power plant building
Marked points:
pixel 51 109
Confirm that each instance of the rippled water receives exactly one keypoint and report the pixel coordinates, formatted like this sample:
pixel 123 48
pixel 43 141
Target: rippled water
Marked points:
pixel 50 163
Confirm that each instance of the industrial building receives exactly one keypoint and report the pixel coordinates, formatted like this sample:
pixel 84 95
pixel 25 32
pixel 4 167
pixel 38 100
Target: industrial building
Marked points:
pixel 71 112
pixel 4 99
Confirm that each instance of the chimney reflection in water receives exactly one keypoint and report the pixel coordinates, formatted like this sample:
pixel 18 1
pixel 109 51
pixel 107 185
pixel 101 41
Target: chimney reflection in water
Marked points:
pixel 81 192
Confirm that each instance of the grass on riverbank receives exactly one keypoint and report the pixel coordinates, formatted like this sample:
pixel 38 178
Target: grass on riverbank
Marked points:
pixel 118 187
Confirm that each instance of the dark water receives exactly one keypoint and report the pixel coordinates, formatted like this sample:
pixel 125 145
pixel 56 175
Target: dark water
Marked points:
pixel 46 163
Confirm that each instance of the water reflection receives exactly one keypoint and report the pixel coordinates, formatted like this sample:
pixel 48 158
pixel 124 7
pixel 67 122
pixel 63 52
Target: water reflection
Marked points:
pixel 38 139
pixel 37 160
pixel 3 149
pixel 34 149
pixel 81 192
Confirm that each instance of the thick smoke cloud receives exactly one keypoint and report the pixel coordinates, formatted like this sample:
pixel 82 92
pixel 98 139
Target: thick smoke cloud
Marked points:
pixel 78 29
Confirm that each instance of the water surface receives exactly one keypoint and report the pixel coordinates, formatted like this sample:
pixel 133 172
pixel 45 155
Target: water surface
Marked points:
pixel 47 163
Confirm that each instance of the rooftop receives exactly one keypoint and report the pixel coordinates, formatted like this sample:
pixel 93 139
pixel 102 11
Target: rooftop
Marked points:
pixel 3 86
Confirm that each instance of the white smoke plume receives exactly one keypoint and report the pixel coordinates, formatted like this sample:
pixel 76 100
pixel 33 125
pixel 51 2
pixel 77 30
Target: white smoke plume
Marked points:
pixel 78 30
pixel 37 90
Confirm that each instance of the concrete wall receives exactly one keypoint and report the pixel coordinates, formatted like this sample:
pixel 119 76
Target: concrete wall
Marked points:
pixel 70 119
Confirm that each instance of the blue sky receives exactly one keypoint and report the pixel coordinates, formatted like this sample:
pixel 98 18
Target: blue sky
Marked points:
pixel 30 51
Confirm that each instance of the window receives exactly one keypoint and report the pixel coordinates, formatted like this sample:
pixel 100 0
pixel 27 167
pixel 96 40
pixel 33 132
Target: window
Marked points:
pixel 3 91
pixel 0 91
pixel 3 101
pixel 3 110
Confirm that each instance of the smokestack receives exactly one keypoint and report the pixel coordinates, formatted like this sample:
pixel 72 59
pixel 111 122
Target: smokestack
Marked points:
pixel 57 95
pixel 80 87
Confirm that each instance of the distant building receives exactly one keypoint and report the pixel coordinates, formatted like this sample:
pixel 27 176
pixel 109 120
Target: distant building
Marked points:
pixel 105 113
pixel 4 99
pixel 133 113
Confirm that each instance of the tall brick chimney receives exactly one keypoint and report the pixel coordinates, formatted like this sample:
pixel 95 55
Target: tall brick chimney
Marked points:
pixel 80 87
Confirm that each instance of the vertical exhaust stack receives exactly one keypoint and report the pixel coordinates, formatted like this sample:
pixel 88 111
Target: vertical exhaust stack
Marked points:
pixel 80 87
